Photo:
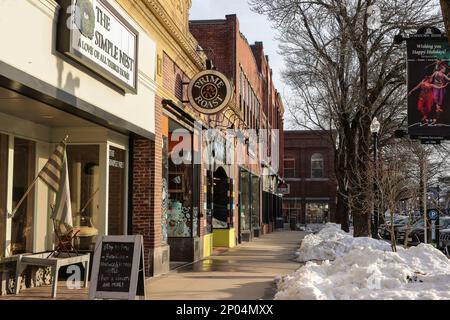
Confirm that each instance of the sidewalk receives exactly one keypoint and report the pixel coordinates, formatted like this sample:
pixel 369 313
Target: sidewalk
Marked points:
pixel 244 272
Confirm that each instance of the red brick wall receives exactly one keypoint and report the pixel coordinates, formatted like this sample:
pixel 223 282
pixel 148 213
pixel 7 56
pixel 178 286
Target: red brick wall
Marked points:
pixel 301 145
pixel 143 205
pixel 217 38
pixel 230 51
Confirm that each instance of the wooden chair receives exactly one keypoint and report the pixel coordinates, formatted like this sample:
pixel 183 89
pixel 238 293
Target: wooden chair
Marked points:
pixel 64 239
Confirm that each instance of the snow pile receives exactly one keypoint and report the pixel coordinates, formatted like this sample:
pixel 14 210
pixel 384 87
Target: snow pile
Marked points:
pixel 331 242
pixel 367 270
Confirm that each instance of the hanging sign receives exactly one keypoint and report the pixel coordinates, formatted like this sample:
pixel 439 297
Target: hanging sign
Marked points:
pixel 94 34
pixel 283 188
pixel 209 92
pixel 428 85
pixel 118 268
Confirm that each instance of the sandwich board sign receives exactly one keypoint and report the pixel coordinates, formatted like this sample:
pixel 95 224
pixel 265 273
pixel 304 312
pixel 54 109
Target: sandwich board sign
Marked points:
pixel 118 268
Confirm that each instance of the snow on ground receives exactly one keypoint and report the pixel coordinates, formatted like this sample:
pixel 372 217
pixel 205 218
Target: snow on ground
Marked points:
pixel 332 242
pixel 365 268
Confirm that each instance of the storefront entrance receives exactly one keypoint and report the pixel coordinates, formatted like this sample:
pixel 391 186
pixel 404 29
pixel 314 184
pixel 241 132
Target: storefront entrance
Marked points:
pixel 97 165
pixel 183 190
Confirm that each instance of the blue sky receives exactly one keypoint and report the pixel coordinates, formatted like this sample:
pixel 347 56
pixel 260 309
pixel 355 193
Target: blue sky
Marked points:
pixel 254 26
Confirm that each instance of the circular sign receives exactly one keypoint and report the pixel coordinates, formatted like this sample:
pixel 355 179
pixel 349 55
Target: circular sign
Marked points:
pixel 209 92
pixel 432 214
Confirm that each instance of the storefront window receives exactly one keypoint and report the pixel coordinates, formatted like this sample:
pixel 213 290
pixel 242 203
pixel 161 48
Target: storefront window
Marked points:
pixel 3 184
pixel 292 210
pixel 255 202
pixel 244 199
pixel 180 181
pixel 84 177
pixel 116 191
pixel 316 212
pixel 209 202
pixel 23 176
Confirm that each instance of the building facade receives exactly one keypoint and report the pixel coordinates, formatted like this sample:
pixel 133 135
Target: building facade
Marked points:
pixel 116 86
pixel 256 106
pixel 174 222
pixel 308 170
pixel 56 81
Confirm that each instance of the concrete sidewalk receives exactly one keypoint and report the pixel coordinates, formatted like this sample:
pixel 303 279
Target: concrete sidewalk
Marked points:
pixel 244 272
pixel 241 273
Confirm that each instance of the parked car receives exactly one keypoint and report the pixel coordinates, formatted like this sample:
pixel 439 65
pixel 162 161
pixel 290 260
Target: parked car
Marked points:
pixel 416 233
pixel 385 229
pixel 444 241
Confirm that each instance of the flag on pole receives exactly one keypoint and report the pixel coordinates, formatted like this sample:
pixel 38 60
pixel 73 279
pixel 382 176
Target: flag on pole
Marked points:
pixel 56 175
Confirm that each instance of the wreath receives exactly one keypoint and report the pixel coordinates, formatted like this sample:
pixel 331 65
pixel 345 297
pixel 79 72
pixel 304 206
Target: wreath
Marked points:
pixel 86 18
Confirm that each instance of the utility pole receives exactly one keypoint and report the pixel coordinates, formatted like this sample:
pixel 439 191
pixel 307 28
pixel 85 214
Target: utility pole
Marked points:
pixel 424 205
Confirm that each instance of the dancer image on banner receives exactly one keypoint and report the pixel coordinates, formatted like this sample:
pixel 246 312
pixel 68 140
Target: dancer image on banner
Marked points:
pixel 440 79
pixel 426 99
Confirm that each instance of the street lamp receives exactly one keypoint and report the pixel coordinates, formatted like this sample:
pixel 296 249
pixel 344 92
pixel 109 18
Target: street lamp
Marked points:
pixel 375 129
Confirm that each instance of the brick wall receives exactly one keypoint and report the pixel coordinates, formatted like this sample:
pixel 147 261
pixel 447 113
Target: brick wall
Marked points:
pixel 301 145
pixel 143 220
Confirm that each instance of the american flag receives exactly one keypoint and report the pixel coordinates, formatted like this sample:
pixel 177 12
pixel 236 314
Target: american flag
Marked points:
pixel 56 175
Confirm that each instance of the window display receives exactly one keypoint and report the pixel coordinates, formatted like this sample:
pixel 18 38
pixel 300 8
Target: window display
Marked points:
pixel 84 177
pixel 316 212
pixel 255 202
pixel 180 183
pixel 245 200
pixel 23 175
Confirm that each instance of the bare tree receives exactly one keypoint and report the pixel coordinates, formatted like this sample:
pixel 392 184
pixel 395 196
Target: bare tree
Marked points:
pixel 346 73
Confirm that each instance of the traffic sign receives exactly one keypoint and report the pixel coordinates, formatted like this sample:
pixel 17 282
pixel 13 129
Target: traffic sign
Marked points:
pixel 433 214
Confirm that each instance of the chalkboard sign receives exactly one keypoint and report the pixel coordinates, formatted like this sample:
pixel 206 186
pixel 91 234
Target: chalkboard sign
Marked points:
pixel 118 268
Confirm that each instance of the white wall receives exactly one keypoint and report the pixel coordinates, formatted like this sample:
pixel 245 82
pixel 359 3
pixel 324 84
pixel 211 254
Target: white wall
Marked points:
pixel 28 36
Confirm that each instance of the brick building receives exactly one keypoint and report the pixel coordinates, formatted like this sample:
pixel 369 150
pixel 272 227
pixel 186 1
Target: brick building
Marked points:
pixel 258 106
pixel 308 169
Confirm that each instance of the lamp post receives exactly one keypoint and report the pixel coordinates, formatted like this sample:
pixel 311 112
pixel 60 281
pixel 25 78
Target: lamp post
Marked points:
pixel 375 129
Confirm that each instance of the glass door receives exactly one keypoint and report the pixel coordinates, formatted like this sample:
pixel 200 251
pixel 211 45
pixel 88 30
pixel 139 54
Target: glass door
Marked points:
pixel 23 176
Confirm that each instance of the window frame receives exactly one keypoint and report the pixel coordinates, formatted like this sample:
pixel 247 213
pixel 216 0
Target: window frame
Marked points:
pixel 290 168
pixel 317 160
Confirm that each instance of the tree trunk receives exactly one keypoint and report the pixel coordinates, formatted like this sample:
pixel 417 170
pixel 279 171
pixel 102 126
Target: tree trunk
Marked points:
pixel 361 224
pixel 342 212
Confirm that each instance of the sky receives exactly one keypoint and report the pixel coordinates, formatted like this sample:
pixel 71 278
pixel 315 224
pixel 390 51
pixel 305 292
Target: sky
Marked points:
pixel 255 27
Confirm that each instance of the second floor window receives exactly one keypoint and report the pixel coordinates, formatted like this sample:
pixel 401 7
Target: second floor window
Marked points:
pixel 317 168
pixel 289 168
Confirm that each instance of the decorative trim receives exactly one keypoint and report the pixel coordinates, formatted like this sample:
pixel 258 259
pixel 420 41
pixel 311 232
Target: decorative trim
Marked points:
pixel 188 43
pixel 48 7
pixel 147 81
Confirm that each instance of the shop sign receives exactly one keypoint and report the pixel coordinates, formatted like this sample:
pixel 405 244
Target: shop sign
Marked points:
pixel 209 92
pixel 118 268
pixel 283 188
pixel 94 34
pixel 428 91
